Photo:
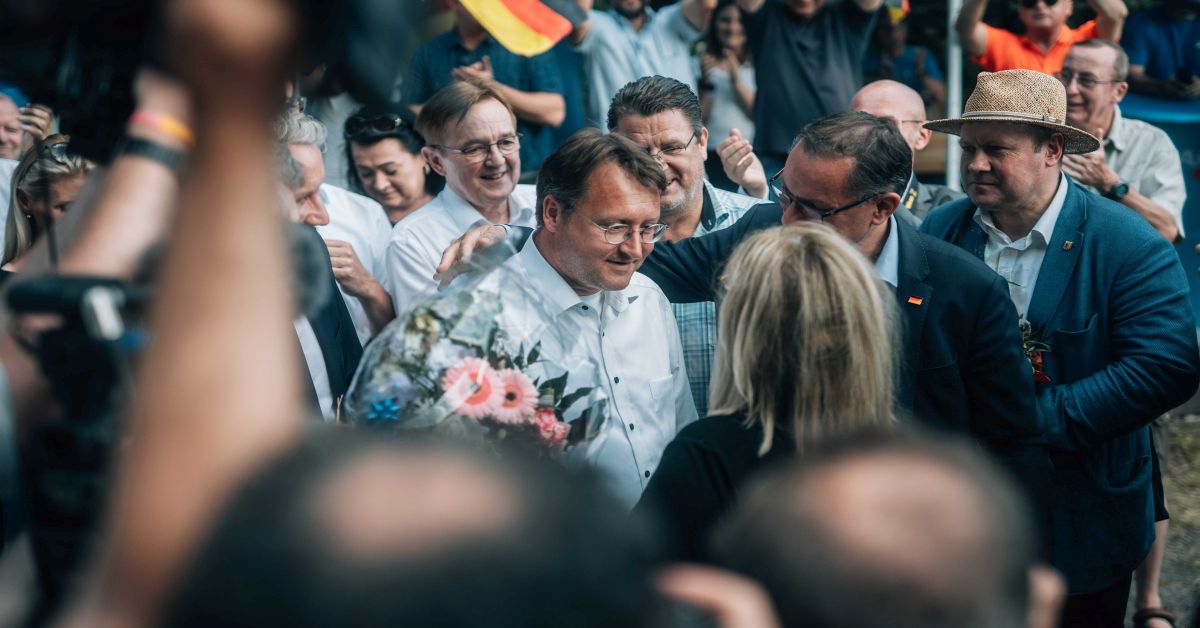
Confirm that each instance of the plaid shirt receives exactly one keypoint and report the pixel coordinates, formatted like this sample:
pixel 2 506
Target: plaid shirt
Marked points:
pixel 698 321
pixel 431 64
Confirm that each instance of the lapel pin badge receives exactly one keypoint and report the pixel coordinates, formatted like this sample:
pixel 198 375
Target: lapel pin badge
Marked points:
pixel 1067 245
pixel 915 300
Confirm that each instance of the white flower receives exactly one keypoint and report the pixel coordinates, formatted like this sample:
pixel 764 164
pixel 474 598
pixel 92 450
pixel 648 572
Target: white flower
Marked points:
pixel 446 354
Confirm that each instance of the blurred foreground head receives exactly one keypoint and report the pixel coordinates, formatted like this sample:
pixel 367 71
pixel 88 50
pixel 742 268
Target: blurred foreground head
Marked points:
pixel 887 530
pixel 347 531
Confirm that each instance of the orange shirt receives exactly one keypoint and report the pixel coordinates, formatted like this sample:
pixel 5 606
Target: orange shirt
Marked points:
pixel 1006 50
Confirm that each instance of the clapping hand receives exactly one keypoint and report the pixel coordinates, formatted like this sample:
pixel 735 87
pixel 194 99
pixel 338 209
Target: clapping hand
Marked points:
pixel 480 70
pixel 741 165
pixel 1091 168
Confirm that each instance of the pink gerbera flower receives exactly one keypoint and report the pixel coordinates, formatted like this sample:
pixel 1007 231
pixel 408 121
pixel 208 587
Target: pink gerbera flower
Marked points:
pixel 474 387
pixel 520 397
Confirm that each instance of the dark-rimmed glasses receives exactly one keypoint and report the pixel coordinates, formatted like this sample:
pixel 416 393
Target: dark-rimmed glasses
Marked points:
pixel 620 233
pixel 377 124
pixel 477 152
pixel 1029 4
pixel 1085 81
pixel 786 200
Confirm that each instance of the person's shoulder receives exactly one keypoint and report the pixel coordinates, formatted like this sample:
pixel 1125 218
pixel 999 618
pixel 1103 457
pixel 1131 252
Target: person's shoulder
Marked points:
pixel 431 214
pixel 1148 133
pixel 942 219
pixel 644 288
pixel 1109 223
pixel 339 194
pixel 719 433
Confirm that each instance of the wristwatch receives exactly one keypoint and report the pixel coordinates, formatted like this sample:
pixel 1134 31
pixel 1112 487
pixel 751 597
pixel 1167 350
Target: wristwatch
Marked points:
pixel 169 157
pixel 1118 191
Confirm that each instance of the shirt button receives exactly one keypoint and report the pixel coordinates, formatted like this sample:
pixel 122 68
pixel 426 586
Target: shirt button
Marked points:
pixel 647 474
pixel 631 426
pixel 585 307
pixel 616 380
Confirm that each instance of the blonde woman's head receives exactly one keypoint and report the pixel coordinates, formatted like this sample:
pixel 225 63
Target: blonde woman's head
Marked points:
pixel 45 182
pixel 805 336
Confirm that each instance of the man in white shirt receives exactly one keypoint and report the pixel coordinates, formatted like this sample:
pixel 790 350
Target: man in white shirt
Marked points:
pixel 631 41
pixel 599 199
pixel 471 139
pixel 354 227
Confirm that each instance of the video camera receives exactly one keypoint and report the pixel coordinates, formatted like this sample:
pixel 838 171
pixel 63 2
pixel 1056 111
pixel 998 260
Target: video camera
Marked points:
pixel 80 56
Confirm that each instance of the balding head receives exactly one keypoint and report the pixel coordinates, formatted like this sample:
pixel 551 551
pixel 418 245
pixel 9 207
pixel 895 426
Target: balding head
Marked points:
pixel 10 129
pixel 928 532
pixel 900 105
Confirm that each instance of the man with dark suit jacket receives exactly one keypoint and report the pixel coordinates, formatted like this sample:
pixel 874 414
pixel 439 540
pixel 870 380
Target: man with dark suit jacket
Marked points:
pixel 1109 297
pixel 963 365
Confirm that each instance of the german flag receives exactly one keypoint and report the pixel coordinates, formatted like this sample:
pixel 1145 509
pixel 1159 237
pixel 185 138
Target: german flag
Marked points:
pixel 527 27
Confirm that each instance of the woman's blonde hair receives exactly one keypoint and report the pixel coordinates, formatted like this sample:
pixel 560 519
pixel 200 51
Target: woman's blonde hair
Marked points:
pixel 806 336
pixel 32 178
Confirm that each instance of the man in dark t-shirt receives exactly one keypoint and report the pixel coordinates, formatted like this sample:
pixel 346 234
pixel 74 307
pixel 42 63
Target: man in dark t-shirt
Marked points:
pixel 808 57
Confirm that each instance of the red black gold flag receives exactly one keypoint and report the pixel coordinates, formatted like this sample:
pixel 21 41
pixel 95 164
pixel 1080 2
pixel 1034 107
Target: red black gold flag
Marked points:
pixel 527 27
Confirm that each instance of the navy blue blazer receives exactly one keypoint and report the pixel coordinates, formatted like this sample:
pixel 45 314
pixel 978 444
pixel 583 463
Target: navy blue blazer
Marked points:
pixel 334 330
pixel 1111 300
pixel 962 364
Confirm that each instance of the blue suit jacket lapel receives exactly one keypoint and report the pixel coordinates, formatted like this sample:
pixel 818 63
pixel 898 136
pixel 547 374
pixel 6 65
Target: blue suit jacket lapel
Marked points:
pixel 1059 263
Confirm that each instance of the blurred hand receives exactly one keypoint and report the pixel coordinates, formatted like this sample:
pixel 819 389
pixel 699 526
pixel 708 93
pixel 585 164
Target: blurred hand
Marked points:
pixel 348 270
pixel 1180 90
pixel 455 258
pixel 35 120
pixel 480 70
pixel 707 63
pixel 741 165
pixel 732 600
pixel 730 63
pixel 222 46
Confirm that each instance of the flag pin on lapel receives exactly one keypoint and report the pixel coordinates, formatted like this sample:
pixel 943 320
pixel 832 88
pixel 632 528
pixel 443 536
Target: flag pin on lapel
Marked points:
pixel 1067 245
pixel 915 300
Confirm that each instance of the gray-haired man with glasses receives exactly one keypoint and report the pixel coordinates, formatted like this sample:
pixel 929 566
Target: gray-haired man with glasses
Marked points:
pixel 598 218
pixel 472 141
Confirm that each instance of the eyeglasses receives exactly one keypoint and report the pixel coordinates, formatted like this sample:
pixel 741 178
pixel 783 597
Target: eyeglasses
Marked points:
pixel 383 123
pixel 1085 81
pixel 477 152
pixel 1029 4
pixel 672 150
pixel 786 200
pixel 620 233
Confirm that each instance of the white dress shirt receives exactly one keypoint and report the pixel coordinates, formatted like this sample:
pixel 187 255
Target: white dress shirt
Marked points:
pixel 418 241
pixel 887 265
pixel 7 166
pixel 1020 261
pixel 626 338
pixel 314 359
pixel 360 221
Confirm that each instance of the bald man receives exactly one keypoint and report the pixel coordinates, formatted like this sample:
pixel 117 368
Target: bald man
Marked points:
pixel 10 129
pixel 903 107
pixel 881 530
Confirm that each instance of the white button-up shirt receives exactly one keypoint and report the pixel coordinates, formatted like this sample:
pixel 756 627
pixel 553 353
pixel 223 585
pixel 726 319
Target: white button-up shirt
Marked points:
pixel 418 241
pixel 314 359
pixel 1019 261
pixel 627 339
pixel 363 224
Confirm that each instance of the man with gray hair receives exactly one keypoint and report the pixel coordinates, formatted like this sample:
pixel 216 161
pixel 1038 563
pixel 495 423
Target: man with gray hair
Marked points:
pixel 354 227
pixel 877 530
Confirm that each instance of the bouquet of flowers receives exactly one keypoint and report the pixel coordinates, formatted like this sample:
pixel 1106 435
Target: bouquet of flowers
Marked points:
pixel 1034 348
pixel 449 365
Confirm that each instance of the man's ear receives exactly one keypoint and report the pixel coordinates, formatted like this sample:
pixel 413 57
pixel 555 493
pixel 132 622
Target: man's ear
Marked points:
pixel 885 206
pixel 923 138
pixel 552 214
pixel 434 159
pixel 703 139
pixel 1055 149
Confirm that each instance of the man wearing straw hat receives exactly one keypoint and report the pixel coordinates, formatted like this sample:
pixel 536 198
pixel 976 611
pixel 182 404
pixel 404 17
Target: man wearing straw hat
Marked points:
pixel 1107 298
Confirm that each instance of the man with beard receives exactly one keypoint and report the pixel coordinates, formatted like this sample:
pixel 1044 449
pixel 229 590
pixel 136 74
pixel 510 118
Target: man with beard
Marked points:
pixel 662 116
pixel 1047 36
pixel 631 41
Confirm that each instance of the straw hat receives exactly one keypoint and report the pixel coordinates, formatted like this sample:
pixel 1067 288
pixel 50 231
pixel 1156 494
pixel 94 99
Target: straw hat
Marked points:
pixel 1023 97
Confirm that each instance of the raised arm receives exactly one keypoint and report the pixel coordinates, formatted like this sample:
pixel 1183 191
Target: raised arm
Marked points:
pixel 970 28
pixel 697 12
pixel 751 6
pixel 1110 18
pixel 218 392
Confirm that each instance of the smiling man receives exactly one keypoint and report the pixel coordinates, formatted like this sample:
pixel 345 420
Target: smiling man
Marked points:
pixel 471 139
pixel 1047 36
pixel 662 116
pixel 598 219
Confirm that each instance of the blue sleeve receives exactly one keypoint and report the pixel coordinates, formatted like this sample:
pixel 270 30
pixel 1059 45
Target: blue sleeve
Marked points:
pixel 932 69
pixel 1134 40
pixel 544 75
pixel 1152 363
